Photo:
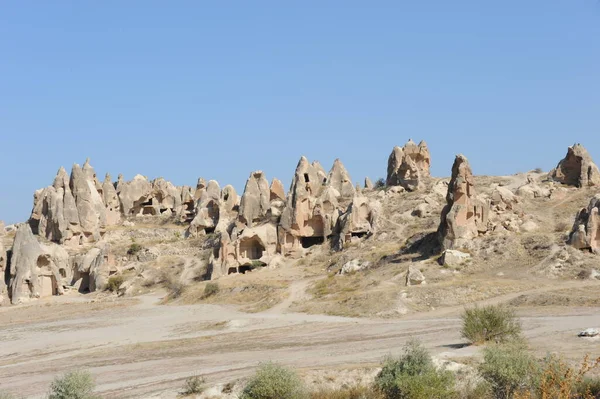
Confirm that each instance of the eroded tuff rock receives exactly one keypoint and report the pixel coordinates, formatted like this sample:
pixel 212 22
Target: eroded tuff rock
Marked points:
pixel 3 266
pixel 207 210
pixel 311 210
pixel 256 200
pixel 339 179
pixel 586 229
pixel 72 210
pixel 359 220
pixel 37 270
pixel 577 168
pixel 368 184
pixel 141 197
pixel 464 216
pixel 91 270
pixel 409 166
pixel 111 201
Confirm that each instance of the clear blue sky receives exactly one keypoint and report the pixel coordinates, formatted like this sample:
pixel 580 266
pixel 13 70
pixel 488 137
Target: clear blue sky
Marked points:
pixel 217 89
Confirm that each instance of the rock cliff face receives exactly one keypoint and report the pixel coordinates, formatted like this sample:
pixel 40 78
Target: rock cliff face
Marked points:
pixel 464 216
pixel 409 166
pixel 577 168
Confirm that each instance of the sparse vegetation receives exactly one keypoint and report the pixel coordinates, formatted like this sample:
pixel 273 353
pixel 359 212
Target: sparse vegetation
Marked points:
pixel 490 323
pixel 509 369
pixel 273 381
pixel 114 282
pixel 7 395
pixel 74 385
pixel 211 289
pixel 193 385
pixel 355 392
pixel 414 376
pixel 134 248
pixel 380 184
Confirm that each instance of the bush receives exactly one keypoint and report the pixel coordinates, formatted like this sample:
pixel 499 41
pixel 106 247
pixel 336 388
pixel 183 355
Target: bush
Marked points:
pixel 211 289
pixel 509 369
pixel 588 387
pixel 273 381
pixel 559 380
pixel 380 184
pixel 114 282
pixel 356 392
pixel 414 376
pixel 134 248
pixel 490 323
pixel 73 385
pixel 193 385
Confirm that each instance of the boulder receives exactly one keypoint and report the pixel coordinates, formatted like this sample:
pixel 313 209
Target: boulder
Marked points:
pixel 464 217
pixel 454 258
pixel 256 199
pixel 503 199
pixel 576 169
pixel 409 166
pixel 414 276
pixel 354 266
pixel 589 332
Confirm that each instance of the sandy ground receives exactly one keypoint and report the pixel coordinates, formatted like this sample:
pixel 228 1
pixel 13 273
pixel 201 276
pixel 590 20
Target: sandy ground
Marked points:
pixel 141 349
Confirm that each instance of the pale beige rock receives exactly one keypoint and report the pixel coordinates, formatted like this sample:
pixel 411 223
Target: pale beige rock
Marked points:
pixel 409 166
pixel 586 229
pixel 256 200
pixel 454 258
pixel 26 252
pixel 529 226
pixel 368 184
pixel 577 168
pixel 277 190
pixel 134 194
pixel 339 179
pixel 3 265
pixel 207 210
pixel 91 269
pixel 503 199
pixel 230 201
pixel 414 276
pixel 359 220
pixel 464 217
pixel 111 202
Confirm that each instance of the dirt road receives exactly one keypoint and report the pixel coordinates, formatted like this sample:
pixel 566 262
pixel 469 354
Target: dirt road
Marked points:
pixel 142 349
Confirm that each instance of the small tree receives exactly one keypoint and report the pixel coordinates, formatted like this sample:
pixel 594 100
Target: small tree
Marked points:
pixel 380 184
pixel 114 282
pixel 73 385
pixel 509 369
pixel 273 381
pixel 414 376
pixel 490 323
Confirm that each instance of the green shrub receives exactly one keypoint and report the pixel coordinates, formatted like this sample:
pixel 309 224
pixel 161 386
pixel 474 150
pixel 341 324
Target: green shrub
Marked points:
pixel 114 282
pixel 509 369
pixel 134 248
pixel 7 395
pixel 193 385
pixel 490 323
pixel 211 289
pixel 355 392
pixel 414 376
pixel 73 385
pixel 380 184
pixel 273 381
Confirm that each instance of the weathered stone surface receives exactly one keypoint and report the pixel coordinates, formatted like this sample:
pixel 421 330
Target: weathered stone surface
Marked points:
pixel 229 199
pixel 3 266
pixel 586 229
pixel 453 258
pixel 277 190
pixel 503 199
pixel 256 200
pixel 464 216
pixel 414 276
pixel 111 201
pixel 577 168
pixel 339 179
pixel 24 283
pixel 207 210
pixel 91 270
pixel 359 220
pixel 133 194
pixel 368 184
pixel 353 266
pixel 90 207
pixel 409 166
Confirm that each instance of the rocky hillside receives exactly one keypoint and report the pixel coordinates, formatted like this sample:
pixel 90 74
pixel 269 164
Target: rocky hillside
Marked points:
pixel 356 250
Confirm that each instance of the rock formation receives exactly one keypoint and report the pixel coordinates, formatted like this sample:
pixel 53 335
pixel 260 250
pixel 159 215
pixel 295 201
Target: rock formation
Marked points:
pixel 586 229
pixel 339 179
pixel 256 200
pixel 311 210
pixel 111 201
pixel 91 269
pixel 3 266
pixel 409 166
pixel 464 216
pixel 368 184
pixel 72 210
pixel 359 220
pixel 207 210
pixel 577 168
